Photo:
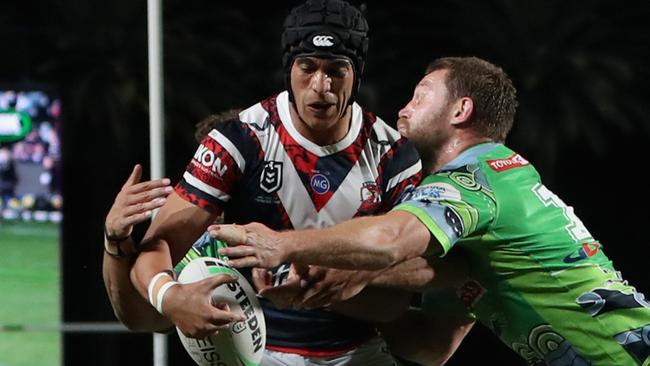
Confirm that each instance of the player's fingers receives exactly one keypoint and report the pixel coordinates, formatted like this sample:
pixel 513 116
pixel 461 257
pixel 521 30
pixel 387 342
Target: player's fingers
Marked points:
pixel 218 280
pixel 137 208
pixel 315 299
pixel 315 273
pixel 261 279
pixel 245 262
pixel 148 195
pixel 136 219
pixel 205 331
pixel 281 296
pixel 231 234
pixel 302 270
pixel 149 185
pixel 220 317
pixel 238 252
pixel 135 176
pixel 313 292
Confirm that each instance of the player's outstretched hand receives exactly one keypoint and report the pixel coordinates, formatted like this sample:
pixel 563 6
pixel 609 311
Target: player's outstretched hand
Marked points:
pixel 190 308
pixel 135 203
pixel 252 245
pixel 326 286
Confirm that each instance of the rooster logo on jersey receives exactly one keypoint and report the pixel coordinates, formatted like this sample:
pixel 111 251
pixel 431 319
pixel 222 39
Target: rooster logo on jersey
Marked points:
pixel 370 198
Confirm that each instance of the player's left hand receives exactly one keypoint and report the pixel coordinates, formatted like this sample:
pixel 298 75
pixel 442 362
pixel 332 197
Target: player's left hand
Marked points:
pixel 252 245
pixel 286 294
pixel 135 203
pixel 326 286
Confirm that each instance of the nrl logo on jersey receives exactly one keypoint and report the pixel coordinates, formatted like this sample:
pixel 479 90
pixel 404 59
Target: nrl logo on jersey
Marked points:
pixel 271 178
pixel 514 161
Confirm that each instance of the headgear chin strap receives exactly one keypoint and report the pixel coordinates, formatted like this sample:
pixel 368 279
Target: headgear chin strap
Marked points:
pixel 328 29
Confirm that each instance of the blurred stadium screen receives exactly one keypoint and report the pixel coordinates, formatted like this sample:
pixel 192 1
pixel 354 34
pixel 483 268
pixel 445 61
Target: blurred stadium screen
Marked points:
pixel 30 213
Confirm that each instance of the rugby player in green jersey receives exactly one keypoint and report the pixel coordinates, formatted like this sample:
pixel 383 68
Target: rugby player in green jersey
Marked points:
pixel 537 277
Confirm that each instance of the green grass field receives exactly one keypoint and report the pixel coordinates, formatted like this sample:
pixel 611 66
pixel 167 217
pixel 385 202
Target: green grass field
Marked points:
pixel 29 290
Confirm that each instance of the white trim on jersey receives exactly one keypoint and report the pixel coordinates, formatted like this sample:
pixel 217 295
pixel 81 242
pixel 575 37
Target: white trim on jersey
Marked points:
pixel 214 192
pixel 384 132
pixel 230 148
pixel 294 196
pixel 404 174
pixel 282 103
pixel 254 115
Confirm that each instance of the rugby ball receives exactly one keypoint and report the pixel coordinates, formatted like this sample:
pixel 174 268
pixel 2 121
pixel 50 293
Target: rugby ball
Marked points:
pixel 243 343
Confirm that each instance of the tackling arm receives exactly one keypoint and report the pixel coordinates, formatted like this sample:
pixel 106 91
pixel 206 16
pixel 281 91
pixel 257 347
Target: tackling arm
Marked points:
pixel 365 243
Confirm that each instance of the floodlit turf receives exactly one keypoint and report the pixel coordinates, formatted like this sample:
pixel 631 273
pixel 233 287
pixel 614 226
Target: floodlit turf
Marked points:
pixel 29 292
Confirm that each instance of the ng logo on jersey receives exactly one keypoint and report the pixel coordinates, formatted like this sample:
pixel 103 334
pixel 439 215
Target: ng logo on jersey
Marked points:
pixel 320 184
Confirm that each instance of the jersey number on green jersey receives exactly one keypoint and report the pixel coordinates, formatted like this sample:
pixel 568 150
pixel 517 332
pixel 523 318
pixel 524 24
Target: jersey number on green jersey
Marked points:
pixel 575 228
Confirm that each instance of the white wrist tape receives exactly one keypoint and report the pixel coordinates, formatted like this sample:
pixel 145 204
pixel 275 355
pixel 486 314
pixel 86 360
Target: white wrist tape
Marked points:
pixel 154 299
pixel 161 295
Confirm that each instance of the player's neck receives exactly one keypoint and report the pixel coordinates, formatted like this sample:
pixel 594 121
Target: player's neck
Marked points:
pixel 327 135
pixel 453 148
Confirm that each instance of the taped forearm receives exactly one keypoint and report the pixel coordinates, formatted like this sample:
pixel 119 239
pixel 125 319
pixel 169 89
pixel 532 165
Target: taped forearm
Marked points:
pixel 155 259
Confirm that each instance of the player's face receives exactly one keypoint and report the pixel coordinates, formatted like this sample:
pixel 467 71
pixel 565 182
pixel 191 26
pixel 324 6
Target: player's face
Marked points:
pixel 321 89
pixel 425 119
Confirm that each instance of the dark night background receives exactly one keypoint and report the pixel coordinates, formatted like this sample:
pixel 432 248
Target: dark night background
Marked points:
pixel 580 66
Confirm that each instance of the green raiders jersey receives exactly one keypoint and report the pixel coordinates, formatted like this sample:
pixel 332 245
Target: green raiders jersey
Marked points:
pixel 204 246
pixel 539 280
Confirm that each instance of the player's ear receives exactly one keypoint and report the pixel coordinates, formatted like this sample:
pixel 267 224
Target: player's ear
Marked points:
pixel 462 110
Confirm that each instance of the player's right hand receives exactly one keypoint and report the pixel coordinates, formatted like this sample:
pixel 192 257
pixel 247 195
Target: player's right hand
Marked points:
pixel 189 307
pixel 251 245
pixel 135 203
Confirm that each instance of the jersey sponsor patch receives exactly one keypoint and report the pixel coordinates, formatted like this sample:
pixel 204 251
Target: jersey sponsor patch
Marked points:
pixel 435 192
pixel 514 161
pixel 210 160
pixel 319 183
pixel 586 250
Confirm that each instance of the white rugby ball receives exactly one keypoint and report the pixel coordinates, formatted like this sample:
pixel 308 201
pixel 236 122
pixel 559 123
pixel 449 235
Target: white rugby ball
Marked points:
pixel 244 342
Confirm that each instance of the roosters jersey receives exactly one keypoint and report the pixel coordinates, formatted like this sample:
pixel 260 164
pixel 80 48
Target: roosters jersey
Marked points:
pixel 259 168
